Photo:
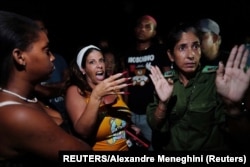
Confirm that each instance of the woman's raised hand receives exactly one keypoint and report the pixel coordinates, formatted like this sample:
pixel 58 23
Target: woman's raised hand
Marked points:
pixel 232 81
pixel 112 85
pixel 164 87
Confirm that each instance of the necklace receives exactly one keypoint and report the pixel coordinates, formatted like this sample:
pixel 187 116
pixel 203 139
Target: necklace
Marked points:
pixel 19 96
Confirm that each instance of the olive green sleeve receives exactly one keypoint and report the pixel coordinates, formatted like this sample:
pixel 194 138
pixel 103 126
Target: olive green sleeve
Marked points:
pixel 163 126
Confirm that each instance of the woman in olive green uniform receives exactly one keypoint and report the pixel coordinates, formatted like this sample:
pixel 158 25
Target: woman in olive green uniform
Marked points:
pixel 189 107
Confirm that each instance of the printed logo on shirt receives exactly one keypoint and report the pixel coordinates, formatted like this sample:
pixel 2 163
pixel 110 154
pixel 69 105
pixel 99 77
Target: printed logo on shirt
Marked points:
pixel 141 59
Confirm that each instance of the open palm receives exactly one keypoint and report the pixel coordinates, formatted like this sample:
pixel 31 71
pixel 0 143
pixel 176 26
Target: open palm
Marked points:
pixel 163 87
pixel 232 81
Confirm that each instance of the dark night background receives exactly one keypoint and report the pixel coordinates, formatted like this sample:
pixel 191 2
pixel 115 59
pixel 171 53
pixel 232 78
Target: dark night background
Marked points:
pixel 74 23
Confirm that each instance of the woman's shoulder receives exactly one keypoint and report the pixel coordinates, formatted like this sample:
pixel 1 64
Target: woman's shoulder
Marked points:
pixel 20 116
pixel 73 92
pixel 73 89
pixel 14 109
pixel 22 123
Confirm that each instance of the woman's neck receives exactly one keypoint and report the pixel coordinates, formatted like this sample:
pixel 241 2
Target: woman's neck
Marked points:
pixel 185 78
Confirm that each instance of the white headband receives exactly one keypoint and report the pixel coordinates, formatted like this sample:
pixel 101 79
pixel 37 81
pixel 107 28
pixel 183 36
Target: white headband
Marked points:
pixel 81 54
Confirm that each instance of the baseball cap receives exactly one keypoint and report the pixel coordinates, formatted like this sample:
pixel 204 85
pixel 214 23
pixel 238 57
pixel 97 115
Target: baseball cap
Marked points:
pixel 208 25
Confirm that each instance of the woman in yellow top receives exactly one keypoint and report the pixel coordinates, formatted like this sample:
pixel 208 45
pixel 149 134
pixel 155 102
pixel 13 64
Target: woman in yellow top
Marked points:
pixel 94 102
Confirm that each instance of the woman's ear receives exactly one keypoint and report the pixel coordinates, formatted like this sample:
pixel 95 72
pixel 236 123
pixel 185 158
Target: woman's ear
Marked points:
pixel 83 71
pixel 170 56
pixel 18 57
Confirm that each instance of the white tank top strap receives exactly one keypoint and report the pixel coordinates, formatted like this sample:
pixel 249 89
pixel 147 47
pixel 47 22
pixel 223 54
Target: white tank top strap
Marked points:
pixel 5 103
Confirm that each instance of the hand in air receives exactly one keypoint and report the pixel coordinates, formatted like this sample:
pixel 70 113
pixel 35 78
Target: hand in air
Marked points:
pixel 232 81
pixel 112 85
pixel 164 87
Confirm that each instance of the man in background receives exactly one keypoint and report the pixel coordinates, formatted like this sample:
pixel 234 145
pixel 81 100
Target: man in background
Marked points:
pixel 145 51
pixel 209 31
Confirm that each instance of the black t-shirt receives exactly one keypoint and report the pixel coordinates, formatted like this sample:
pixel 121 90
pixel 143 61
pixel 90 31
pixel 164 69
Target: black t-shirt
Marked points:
pixel 138 64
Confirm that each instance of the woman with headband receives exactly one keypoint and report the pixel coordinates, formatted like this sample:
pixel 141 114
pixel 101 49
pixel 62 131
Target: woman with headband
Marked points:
pixel 94 103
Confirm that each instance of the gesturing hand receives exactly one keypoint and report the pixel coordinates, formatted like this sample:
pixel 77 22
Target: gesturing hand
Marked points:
pixel 163 87
pixel 233 80
pixel 111 85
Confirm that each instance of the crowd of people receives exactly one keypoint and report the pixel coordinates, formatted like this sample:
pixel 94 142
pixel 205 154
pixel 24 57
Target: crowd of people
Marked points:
pixel 183 94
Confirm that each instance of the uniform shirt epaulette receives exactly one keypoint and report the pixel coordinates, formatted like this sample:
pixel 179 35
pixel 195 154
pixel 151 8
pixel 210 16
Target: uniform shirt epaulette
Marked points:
pixel 209 69
pixel 169 74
